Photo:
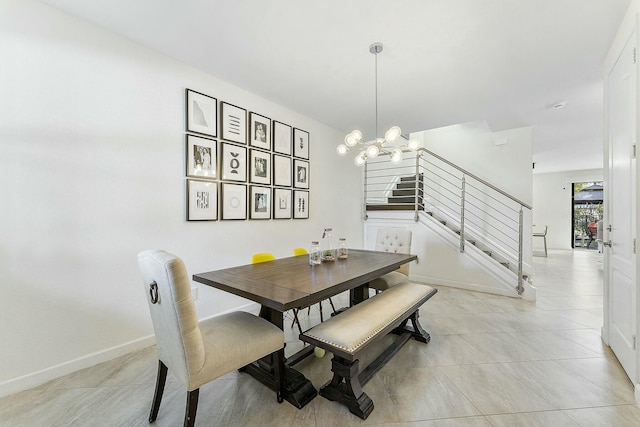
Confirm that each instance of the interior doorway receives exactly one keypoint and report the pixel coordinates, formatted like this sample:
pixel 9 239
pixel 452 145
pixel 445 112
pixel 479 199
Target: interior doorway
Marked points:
pixel 587 210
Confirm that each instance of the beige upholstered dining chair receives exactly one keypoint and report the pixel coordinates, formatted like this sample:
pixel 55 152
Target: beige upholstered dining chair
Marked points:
pixel 199 352
pixel 396 240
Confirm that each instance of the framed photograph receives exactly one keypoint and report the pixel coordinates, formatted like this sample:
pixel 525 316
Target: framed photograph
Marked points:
pixel 202 200
pixel 202 113
pixel 234 162
pixel 300 204
pixel 281 170
pixel 202 157
pixel 234 123
pixel 234 201
pixel 281 203
pixel 300 143
pixel 300 173
pixel 281 138
pixel 259 131
pixel 260 167
pixel 260 202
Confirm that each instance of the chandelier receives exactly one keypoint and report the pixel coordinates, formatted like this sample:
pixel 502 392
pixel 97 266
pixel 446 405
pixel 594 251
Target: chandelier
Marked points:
pixel 390 145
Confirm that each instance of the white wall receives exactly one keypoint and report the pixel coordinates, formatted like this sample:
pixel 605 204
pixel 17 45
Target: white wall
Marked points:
pixel 474 148
pixel 552 205
pixel 92 171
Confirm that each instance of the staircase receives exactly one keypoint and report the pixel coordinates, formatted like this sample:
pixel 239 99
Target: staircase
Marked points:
pixel 483 218
pixel 403 196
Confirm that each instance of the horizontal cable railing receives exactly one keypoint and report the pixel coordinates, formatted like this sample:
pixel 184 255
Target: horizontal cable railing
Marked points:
pixel 479 212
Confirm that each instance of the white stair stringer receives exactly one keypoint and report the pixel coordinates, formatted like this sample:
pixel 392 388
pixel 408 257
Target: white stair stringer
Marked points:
pixel 440 260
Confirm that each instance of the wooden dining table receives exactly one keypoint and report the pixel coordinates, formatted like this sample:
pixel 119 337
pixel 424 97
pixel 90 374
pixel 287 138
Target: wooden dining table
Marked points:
pixel 289 283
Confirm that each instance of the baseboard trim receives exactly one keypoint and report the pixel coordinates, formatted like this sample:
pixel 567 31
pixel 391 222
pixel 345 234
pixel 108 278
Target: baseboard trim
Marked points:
pixel 37 378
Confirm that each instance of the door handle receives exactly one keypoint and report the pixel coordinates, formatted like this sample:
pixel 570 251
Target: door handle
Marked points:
pixel 607 243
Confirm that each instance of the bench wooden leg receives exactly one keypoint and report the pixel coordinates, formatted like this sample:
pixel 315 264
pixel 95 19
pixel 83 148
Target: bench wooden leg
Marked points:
pixel 345 387
pixel 416 329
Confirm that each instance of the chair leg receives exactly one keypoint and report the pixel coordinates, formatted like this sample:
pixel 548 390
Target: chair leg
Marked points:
pixel 192 407
pixel 320 308
pixel 296 320
pixel 545 246
pixel 157 397
pixel 333 307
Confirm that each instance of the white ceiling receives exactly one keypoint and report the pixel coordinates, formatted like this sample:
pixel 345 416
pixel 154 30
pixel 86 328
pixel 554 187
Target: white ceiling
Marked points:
pixel 444 61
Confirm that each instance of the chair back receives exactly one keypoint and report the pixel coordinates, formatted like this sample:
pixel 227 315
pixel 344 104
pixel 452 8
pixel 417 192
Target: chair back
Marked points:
pixel 178 338
pixel 262 257
pixel 300 251
pixel 397 240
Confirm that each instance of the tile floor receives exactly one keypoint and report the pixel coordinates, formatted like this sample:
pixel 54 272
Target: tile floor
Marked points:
pixel 492 361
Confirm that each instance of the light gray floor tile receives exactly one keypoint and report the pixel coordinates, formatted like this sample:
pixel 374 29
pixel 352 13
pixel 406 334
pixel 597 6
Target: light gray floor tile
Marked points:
pixel 533 419
pixel 610 416
pixel 560 386
pixel 493 390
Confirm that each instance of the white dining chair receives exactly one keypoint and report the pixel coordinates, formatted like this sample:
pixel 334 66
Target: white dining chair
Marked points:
pixel 397 240
pixel 199 352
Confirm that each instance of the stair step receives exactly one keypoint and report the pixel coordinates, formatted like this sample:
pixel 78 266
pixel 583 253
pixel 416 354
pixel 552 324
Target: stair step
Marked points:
pixel 407 192
pixel 411 178
pixel 403 199
pixel 487 252
pixel 505 264
pixel 408 185
pixel 395 207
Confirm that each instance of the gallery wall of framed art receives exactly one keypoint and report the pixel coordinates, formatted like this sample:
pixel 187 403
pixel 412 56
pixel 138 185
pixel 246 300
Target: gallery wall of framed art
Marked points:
pixel 243 165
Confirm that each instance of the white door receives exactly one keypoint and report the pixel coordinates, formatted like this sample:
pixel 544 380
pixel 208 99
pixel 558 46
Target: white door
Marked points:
pixel 621 207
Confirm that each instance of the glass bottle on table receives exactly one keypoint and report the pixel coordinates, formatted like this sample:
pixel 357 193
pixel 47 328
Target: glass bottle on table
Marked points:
pixel 328 248
pixel 315 254
pixel 343 249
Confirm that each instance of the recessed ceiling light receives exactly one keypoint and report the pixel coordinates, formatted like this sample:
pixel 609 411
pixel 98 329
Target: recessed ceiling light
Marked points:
pixel 559 105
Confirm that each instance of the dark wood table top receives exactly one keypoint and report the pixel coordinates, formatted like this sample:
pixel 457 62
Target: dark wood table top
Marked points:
pixel 288 283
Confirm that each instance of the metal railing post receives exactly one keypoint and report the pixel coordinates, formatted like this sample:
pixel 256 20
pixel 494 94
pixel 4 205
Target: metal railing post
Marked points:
pixel 462 198
pixel 417 205
pixel 364 193
pixel 520 287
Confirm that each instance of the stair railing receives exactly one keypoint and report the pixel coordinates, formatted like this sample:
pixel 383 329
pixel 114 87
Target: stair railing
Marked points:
pixel 479 212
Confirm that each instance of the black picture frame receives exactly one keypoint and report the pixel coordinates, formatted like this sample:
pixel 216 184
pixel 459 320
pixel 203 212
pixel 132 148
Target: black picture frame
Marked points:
pixel 301 143
pixel 282 200
pixel 233 123
pixel 259 167
pixel 234 201
pixel 300 173
pixel 201 113
pixel 281 171
pixel 282 137
pixel 233 162
pixel 260 202
pixel 300 204
pixel 259 131
pixel 202 200
pixel 201 157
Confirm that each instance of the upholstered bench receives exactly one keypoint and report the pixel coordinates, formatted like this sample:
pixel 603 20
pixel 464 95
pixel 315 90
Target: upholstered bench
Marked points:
pixel 351 332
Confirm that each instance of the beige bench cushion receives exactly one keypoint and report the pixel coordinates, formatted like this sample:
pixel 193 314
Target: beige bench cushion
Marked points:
pixel 353 328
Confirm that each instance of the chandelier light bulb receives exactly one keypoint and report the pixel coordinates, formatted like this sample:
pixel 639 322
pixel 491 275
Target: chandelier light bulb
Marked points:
pixel 396 156
pixel 342 149
pixel 357 135
pixel 413 144
pixel 349 140
pixel 373 150
pixel 360 159
pixel 392 134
